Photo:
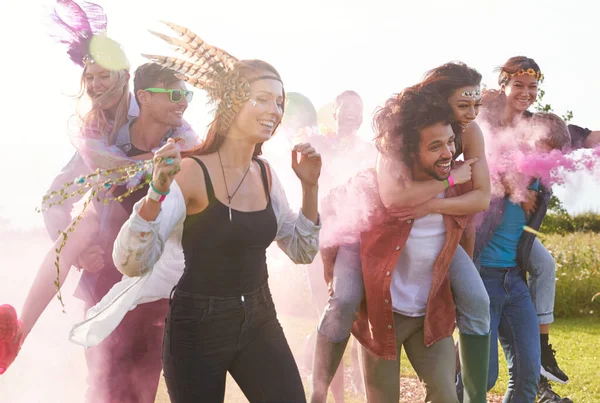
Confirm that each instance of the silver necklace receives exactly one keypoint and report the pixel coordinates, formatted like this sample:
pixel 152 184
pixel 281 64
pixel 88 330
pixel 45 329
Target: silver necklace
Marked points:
pixel 230 197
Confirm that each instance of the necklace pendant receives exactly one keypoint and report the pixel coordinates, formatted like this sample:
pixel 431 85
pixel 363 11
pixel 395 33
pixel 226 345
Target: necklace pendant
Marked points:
pixel 229 213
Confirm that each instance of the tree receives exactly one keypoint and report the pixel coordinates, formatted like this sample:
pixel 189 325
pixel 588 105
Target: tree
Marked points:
pixel 540 106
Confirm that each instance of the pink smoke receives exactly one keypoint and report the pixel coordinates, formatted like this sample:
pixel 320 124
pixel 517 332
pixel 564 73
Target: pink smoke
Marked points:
pixel 515 156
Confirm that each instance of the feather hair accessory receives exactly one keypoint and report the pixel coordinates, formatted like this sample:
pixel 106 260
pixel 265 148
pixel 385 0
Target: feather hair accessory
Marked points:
pixel 208 68
pixel 82 28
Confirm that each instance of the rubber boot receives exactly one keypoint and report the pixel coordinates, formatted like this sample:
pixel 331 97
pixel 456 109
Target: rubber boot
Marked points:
pixel 474 361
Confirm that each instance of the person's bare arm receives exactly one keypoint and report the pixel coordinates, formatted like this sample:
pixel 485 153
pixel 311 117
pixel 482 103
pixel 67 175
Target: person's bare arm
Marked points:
pixel 592 140
pixel 397 191
pixel 471 202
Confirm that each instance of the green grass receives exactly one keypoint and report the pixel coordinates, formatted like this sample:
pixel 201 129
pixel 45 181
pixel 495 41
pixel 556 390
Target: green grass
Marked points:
pixel 577 259
pixel 577 345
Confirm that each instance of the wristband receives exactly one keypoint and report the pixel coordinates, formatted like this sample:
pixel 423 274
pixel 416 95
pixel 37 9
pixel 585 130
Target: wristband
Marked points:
pixel 450 181
pixel 158 191
pixel 156 195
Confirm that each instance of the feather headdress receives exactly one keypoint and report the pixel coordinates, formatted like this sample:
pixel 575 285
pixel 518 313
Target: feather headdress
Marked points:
pixel 82 28
pixel 209 68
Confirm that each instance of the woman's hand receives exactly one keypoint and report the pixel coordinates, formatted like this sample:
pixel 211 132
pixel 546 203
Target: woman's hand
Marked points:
pixel 411 213
pixel 167 161
pixel 462 174
pixel 529 205
pixel 308 169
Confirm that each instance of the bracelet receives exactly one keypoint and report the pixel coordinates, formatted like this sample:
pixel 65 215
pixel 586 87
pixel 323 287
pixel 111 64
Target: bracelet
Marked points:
pixel 446 183
pixel 158 191
pixel 450 181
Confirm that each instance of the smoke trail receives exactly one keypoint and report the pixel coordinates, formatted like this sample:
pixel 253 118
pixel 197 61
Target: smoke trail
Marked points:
pixel 518 154
pixel 49 369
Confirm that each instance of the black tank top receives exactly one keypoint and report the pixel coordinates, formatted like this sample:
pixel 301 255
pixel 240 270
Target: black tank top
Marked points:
pixel 226 258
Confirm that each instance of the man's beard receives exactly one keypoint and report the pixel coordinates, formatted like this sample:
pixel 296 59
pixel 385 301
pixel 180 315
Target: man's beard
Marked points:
pixel 431 171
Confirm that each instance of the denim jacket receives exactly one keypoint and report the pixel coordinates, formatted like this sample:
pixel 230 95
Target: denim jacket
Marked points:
pixel 490 219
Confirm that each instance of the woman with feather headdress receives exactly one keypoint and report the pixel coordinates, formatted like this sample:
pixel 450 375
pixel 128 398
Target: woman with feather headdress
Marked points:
pixel 224 209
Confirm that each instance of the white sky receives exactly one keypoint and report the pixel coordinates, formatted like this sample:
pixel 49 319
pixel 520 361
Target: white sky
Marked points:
pixel 320 47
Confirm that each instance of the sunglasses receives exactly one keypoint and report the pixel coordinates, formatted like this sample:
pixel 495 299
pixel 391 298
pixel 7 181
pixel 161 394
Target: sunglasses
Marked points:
pixel 174 95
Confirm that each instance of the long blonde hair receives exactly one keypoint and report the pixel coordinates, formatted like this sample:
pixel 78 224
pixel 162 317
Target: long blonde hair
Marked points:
pixel 95 122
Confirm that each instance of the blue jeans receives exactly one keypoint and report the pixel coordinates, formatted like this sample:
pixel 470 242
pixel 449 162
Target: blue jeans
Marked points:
pixel 349 290
pixel 470 296
pixel 542 282
pixel 514 322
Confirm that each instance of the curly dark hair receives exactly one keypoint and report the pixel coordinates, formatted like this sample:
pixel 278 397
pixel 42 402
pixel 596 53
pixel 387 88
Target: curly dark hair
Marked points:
pixel 449 77
pixel 399 122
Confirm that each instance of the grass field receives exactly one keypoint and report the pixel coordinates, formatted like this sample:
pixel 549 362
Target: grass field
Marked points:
pixel 61 377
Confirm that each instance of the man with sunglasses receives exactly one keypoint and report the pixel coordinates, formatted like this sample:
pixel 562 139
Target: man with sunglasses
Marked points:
pixel 162 99
pixel 126 366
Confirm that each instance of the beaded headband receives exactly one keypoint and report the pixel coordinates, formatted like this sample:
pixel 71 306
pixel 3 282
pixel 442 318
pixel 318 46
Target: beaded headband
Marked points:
pixel 209 68
pixel 471 94
pixel 505 77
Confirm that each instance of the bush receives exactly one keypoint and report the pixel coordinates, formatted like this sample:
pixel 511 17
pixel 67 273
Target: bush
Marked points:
pixel 563 223
pixel 559 221
pixel 577 259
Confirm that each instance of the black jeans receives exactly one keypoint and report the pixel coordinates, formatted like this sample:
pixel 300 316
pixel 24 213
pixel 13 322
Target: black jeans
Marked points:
pixel 207 336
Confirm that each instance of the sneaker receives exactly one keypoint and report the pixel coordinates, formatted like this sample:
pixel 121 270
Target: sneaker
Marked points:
pixel 547 395
pixel 11 336
pixel 550 367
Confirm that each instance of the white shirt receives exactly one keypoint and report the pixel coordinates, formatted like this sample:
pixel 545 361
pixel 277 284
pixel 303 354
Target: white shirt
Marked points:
pixel 153 249
pixel 411 279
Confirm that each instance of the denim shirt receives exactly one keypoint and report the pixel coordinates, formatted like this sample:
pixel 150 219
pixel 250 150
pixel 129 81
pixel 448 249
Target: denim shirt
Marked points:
pixel 123 136
pixel 490 219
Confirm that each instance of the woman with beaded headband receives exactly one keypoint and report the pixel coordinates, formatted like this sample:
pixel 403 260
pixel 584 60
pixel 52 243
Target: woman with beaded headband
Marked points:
pixel 506 113
pixel 224 208
pixel 460 85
